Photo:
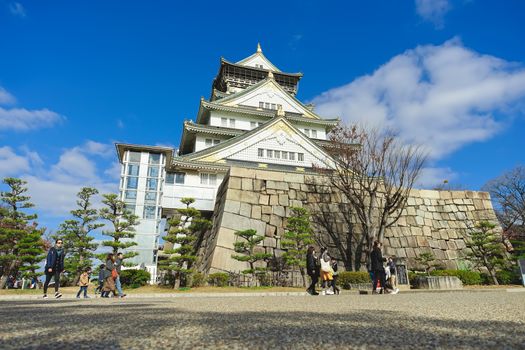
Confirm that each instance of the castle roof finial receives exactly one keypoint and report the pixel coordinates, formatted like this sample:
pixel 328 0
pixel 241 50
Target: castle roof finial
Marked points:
pixel 280 111
pixel 259 47
pixel 270 75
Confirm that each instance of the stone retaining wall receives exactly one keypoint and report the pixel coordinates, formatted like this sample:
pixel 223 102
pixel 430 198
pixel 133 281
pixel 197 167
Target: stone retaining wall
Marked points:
pixel 433 221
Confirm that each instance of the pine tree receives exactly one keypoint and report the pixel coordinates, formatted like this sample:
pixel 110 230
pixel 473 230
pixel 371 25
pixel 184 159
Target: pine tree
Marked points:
pixel 76 234
pixel 487 249
pixel 21 244
pixel 185 232
pixel 123 222
pixel 297 237
pixel 426 259
pixel 249 252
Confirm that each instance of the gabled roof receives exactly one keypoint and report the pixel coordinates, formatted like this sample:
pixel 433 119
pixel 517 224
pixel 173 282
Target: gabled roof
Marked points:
pixel 258 55
pixel 211 154
pixel 270 81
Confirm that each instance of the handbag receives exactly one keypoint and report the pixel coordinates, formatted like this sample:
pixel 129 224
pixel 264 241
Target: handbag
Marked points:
pixel 114 274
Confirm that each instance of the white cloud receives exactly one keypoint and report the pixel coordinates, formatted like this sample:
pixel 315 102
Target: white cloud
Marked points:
pixel 443 97
pixel 21 119
pixel 5 97
pixel 100 149
pixel 113 172
pixel 11 163
pixel 433 10
pixel 17 9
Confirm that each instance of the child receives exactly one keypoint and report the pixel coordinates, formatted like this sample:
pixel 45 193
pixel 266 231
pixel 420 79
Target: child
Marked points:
pixel 326 273
pixel 100 278
pixel 84 282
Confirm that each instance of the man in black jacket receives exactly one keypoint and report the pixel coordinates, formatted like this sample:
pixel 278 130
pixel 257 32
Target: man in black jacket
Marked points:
pixel 376 262
pixel 54 267
pixel 312 269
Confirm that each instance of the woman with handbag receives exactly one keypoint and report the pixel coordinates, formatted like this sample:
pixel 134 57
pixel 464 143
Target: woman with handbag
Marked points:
pixel 327 272
pixel 110 274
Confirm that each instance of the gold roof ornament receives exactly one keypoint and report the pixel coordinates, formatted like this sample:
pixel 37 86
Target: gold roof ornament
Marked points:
pixel 280 111
pixel 270 75
pixel 259 47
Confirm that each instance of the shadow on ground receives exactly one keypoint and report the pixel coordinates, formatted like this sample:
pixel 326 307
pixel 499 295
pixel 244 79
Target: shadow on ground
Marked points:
pixel 69 324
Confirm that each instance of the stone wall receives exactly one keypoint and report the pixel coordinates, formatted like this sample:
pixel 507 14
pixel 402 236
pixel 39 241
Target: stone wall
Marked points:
pixel 433 221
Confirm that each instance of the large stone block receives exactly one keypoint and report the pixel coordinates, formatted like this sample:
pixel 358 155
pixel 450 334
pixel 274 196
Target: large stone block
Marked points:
pixel 266 209
pixel 269 175
pixel 234 182
pixel 250 197
pixel 294 177
pixel 277 185
pixel 270 231
pixel 226 237
pixel 256 212
pixel 283 200
pixel 247 184
pixel 245 210
pixel 232 206
pixel 233 194
pixel 259 185
pixel 242 172
pixel 278 210
pixel 264 199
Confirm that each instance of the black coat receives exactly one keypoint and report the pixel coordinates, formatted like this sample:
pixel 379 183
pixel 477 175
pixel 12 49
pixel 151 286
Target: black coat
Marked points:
pixel 311 264
pixel 53 261
pixel 376 260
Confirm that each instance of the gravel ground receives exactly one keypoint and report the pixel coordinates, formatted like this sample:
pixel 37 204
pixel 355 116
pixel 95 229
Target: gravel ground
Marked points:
pixel 466 320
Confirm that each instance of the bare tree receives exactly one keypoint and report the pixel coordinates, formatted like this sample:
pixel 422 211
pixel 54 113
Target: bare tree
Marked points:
pixel 508 194
pixel 375 178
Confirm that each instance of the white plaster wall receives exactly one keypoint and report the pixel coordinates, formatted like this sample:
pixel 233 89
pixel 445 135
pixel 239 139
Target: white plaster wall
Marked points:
pixel 200 141
pixel 204 195
pixel 241 122
pixel 256 62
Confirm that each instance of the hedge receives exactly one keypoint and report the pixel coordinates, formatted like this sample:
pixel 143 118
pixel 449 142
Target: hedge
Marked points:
pixel 218 279
pixel 467 277
pixel 134 278
pixel 347 278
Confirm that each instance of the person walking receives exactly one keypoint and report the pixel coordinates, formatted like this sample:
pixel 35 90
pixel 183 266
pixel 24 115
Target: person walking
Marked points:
pixel 334 280
pixel 54 267
pixel 326 273
pixel 83 282
pixel 376 261
pixel 109 276
pixel 118 266
pixel 312 270
pixel 101 269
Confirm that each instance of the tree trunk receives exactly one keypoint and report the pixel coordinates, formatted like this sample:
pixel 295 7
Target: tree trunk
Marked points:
pixel 302 276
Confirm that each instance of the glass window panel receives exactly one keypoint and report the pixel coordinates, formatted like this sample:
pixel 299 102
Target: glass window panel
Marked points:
pixel 277 154
pixel 260 152
pixel 179 178
pixel 224 121
pixel 300 157
pixel 154 158
pixel 153 171
pixel 133 169
pixel 292 155
pixel 151 196
pixel 151 184
pixel 216 142
pixel 170 178
pixel 267 105
pixel 269 153
pixel 134 157
pixel 232 123
pixel 314 134
pixel 261 104
pixel 273 106
pixel 130 208
pixel 204 179
pixel 285 155
pixel 131 194
pixel 208 142
pixel 212 179
pixel 149 212
pixel 132 182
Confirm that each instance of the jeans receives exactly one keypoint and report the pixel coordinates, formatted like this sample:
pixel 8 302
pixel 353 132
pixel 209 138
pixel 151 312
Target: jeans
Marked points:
pixel 56 275
pixel 82 288
pixel 315 278
pixel 119 286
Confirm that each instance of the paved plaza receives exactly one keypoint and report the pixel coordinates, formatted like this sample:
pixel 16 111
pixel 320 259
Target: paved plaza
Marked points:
pixel 452 320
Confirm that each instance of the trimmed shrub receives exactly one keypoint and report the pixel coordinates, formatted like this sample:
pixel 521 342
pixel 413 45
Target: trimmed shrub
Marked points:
pixel 218 279
pixel 467 277
pixel 347 278
pixel 134 278
pixel 198 279
pixel 508 276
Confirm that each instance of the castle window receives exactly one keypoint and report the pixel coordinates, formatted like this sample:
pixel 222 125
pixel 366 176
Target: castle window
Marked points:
pixel 208 179
pixel 300 157
pixel 261 104
pixel 314 134
pixel 232 123
pixel 224 122
pixel 285 155
pixel 269 153
pixel 307 132
pixel 260 152
pixel 277 154
pixel 216 142
pixel 208 142
pixel 179 178
pixel 292 156
pixel 170 178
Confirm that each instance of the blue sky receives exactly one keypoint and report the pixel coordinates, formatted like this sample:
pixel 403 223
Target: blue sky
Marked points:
pixel 75 77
